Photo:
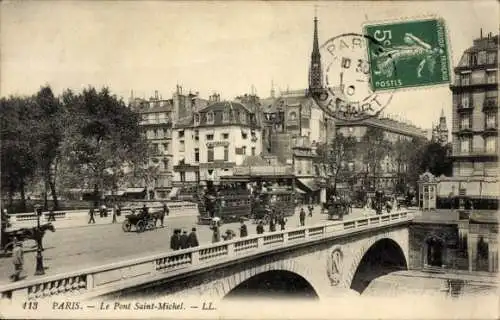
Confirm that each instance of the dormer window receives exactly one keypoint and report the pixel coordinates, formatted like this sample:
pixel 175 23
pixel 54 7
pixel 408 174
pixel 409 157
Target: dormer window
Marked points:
pixel 196 119
pixel 293 115
pixel 210 118
pixel 181 133
pixel 225 117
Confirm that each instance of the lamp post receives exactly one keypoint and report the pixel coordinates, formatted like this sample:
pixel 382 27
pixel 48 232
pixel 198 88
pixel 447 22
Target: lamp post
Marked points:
pixel 39 258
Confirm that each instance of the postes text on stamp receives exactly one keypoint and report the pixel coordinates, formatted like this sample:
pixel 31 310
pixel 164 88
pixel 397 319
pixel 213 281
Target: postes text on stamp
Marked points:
pixel 408 54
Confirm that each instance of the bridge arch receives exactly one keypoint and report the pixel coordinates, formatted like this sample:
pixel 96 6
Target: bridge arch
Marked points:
pixel 282 269
pixel 379 257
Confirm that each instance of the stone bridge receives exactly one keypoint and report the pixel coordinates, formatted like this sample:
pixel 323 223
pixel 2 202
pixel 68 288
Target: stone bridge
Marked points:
pixel 316 261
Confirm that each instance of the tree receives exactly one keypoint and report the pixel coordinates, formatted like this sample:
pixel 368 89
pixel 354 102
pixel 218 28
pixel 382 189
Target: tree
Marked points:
pixel 435 159
pixel 18 160
pixel 419 146
pixel 374 148
pixel 337 156
pixel 50 133
pixel 102 136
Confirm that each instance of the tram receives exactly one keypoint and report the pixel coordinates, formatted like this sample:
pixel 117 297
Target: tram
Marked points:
pixel 246 197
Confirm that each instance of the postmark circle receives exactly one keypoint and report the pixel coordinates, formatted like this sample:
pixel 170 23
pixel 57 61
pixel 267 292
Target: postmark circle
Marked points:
pixel 347 93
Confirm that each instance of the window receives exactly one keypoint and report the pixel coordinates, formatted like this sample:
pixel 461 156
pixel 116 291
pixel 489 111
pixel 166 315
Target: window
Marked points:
pixel 225 116
pixel 491 76
pixel 210 154
pixel 182 146
pixel 196 135
pixel 181 134
pixel 491 57
pixel 464 79
pixel 154 148
pixel 465 145
pixel 196 155
pixel 196 119
pixel 253 151
pixel 165 164
pixel 244 135
pixel 465 101
pixel 243 117
pixel 210 118
pixel 491 144
pixel 155 133
pixel 210 137
pixel 473 59
pixel 465 122
pixel 244 150
pixel 161 134
pixel 165 148
pixel 477 77
pixel 197 175
pixel 225 136
pixel 481 57
pixel 491 120
pixel 183 176
pixel 293 115
pixel 226 153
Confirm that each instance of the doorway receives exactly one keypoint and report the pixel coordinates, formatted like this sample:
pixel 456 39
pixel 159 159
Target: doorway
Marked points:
pixel 435 252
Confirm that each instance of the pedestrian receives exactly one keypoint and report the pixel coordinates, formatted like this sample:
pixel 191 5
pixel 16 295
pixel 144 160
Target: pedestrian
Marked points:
pixel 119 210
pixel 163 213
pixel 184 240
pixel 216 234
pixel 192 239
pixel 17 259
pixel 260 227
pixel 91 214
pixel 311 208
pixel 145 209
pixel 52 215
pixel 243 229
pixel 166 210
pixel 115 209
pixel 272 223
pixel 282 221
pixel 302 217
pixel 175 240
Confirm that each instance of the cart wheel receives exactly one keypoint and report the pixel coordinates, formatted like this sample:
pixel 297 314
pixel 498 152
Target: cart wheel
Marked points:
pixel 141 226
pixel 126 226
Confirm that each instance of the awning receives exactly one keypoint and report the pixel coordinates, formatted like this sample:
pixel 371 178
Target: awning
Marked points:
pixel 173 192
pixel 299 191
pixel 307 185
pixel 134 190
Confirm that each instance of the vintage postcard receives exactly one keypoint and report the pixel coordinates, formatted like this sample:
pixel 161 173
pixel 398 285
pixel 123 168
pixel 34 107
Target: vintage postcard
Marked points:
pixel 249 160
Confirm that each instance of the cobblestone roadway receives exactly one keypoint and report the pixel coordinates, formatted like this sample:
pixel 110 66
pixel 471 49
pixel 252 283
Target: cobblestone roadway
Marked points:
pixel 82 247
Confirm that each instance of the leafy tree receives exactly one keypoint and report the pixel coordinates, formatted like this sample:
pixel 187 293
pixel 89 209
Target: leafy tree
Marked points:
pixel 337 156
pixel 102 137
pixel 18 160
pixel 436 159
pixel 49 133
pixel 374 148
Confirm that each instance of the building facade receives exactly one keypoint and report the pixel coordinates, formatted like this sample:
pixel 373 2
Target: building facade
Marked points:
pixel 390 168
pixel 213 140
pixel 475 119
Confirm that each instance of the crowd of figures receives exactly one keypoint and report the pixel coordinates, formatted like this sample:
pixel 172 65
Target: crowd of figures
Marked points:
pixel 142 213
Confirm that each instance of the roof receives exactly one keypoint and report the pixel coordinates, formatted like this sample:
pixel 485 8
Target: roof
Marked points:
pixel 225 106
pixel 254 161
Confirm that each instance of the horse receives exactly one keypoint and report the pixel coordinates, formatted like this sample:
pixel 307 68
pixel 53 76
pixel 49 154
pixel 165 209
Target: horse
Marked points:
pixel 34 233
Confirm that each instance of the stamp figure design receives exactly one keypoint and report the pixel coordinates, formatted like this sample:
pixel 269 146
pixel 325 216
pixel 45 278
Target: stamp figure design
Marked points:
pixel 418 49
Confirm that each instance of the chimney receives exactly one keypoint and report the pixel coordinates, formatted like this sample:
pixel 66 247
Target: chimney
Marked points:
pixel 481 33
pixel 156 94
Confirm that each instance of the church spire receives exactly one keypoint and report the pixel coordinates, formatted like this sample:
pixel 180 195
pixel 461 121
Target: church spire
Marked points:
pixel 442 113
pixel 315 72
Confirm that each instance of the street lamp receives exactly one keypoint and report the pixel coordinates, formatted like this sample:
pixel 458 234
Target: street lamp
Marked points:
pixel 39 258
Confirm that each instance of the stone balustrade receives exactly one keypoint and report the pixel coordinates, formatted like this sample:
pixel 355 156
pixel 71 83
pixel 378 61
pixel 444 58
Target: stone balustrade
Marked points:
pixel 124 274
pixel 173 207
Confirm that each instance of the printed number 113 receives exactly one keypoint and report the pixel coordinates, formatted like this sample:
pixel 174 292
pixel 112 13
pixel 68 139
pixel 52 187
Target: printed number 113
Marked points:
pixel 30 305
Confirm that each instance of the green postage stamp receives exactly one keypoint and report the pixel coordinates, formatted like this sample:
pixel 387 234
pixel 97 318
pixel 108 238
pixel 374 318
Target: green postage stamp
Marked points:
pixel 408 54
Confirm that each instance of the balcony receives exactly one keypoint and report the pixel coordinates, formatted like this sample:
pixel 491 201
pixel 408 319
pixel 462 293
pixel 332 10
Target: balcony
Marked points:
pixel 156 122
pixel 490 104
pixel 476 155
pixel 463 109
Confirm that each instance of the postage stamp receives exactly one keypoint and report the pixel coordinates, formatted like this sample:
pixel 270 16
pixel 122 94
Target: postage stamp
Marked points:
pixel 346 93
pixel 408 54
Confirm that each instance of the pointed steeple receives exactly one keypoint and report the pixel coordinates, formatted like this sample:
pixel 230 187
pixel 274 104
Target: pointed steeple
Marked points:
pixel 315 71
pixel 442 113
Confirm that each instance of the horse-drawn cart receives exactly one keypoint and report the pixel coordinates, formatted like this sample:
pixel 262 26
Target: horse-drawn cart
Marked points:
pixel 141 222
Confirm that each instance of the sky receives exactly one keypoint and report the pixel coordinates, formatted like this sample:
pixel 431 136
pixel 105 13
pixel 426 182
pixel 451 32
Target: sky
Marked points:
pixel 224 47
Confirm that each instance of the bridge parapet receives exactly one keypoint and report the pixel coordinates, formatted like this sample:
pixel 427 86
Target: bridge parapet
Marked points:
pixel 117 276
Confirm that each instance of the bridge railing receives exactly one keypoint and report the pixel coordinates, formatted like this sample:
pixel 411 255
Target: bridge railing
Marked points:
pixel 173 207
pixel 121 275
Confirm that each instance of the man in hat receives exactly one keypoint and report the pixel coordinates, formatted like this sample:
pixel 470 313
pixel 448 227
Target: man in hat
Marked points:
pixel 175 240
pixel 192 239
pixel 260 227
pixel 302 217
pixel 17 259
pixel 183 240
pixel 243 229
pixel 52 215
pixel 91 214
pixel 216 234
pixel 282 221
pixel 311 208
